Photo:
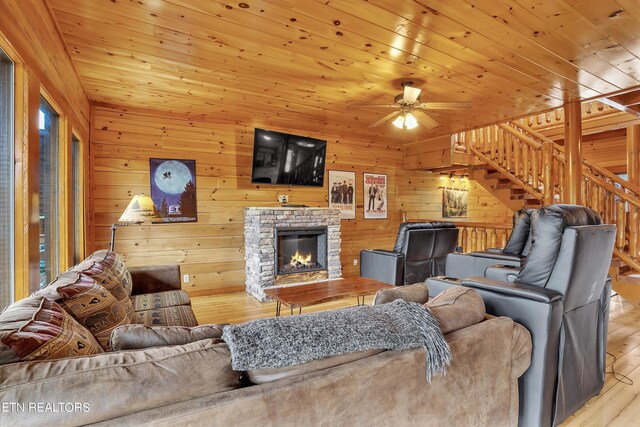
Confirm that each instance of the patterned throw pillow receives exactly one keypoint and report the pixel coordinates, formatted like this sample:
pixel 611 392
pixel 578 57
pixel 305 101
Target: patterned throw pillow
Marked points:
pixel 108 270
pixel 37 328
pixel 89 303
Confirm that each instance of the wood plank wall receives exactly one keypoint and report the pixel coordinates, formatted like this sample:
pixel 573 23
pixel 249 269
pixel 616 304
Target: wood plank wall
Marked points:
pixel 421 198
pixel 212 250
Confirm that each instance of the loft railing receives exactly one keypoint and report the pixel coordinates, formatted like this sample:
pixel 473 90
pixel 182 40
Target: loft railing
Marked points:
pixel 547 119
pixel 477 236
pixel 536 164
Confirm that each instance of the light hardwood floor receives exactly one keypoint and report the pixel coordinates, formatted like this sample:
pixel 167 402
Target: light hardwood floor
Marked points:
pixel 618 404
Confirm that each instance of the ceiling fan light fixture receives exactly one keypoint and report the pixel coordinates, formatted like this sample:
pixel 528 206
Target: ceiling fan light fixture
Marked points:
pixel 399 121
pixel 410 121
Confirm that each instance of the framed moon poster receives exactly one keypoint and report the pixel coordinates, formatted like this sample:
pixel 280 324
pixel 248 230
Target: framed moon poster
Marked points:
pixel 173 189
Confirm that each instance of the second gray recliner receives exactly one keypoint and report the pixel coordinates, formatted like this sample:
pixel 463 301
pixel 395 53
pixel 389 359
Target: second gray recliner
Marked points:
pixel 561 296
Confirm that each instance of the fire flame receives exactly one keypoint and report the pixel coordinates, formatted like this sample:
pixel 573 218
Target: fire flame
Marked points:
pixel 302 259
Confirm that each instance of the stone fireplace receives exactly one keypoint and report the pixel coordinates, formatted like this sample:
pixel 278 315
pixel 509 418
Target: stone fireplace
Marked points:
pixel 288 246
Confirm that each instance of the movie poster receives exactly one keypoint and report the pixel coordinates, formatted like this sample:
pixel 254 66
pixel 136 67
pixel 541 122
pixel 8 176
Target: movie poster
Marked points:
pixel 375 196
pixel 173 189
pixel 342 193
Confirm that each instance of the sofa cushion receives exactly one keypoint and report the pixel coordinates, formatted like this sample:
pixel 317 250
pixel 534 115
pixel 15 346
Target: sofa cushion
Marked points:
pixel 113 384
pixel 261 376
pixel 107 268
pixel 37 328
pixel 418 293
pixel 177 315
pixel 159 300
pixel 89 303
pixel 130 337
pixel 457 308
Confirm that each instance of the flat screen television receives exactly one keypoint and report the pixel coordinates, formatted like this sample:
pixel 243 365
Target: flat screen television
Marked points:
pixel 286 159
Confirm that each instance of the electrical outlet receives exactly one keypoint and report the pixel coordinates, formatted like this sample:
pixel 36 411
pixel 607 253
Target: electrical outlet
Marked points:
pixel 355 261
pixel 185 278
pixel 283 198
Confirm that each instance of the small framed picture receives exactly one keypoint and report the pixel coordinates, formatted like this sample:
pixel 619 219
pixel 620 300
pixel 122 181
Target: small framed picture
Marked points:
pixel 454 203
pixel 375 196
pixel 342 193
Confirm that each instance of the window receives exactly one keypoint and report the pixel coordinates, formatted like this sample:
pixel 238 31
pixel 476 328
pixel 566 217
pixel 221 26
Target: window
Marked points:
pixel 49 176
pixel 6 175
pixel 76 202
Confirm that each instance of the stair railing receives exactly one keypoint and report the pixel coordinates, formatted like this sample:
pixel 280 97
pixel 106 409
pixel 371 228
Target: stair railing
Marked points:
pixel 536 164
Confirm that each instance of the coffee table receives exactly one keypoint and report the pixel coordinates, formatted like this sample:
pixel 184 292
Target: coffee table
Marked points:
pixel 327 290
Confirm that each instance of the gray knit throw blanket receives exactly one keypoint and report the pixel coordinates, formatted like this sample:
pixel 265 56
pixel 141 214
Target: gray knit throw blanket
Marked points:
pixel 285 341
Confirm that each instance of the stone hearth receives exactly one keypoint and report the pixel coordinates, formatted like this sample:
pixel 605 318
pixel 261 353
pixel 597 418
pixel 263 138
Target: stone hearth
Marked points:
pixel 260 226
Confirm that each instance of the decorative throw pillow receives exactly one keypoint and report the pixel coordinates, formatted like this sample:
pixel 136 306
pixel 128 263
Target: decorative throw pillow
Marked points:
pixel 89 303
pixel 37 328
pixel 108 270
pixel 457 308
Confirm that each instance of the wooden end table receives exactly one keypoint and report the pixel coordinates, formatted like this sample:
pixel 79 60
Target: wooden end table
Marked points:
pixel 327 290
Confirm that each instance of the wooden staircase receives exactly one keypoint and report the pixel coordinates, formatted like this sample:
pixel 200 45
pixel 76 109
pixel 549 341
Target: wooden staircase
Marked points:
pixel 509 193
pixel 524 168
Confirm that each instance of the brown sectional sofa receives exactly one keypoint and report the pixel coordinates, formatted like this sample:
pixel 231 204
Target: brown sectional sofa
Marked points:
pixel 193 383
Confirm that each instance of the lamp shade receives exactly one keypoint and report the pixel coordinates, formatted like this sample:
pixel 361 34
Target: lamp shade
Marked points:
pixel 141 209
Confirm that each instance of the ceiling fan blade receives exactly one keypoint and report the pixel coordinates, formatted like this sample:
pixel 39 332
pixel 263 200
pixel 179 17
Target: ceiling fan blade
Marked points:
pixel 410 94
pixel 453 105
pixel 384 119
pixel 374 106
pixel 424 119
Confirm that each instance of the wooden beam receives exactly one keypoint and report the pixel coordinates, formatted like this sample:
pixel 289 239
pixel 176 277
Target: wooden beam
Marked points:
pixel 633 155
pixel 573 152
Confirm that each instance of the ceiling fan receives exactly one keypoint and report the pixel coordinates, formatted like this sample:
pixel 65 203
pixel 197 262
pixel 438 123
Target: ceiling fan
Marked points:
pixel 409 109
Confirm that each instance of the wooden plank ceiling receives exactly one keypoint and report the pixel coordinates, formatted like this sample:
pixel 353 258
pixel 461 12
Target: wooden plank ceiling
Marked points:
pixel 304 64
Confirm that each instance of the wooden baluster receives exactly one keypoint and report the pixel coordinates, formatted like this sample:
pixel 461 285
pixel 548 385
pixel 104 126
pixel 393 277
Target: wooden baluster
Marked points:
pixel 547 117
pixel 482 239
pixel 621 213
pixel 492 148
pixel 525 161
pixel 465 239
pixel 601 201
pixel 534 169
pixel 504 236
pixel 539 119
pixel 508 152
pixel 606 207
pixel 530 121
pixel 473 240
pixel 587 190
pixel 558 115
pixel 486 137
pixel 561 181
pixel 493 242
pixel 517 149
pixel 547 172
pixel 634 229
pixel 500 158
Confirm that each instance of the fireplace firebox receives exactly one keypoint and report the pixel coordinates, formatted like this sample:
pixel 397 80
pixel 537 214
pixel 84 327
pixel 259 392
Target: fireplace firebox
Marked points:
pixel 301 249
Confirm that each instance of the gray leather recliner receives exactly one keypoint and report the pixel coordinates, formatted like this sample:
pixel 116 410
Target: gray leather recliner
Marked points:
pixel 419 252
pixel 561 296
pixel 513 254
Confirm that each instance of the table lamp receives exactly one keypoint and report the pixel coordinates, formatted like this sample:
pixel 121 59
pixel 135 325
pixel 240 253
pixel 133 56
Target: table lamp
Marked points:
pixel 140 209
